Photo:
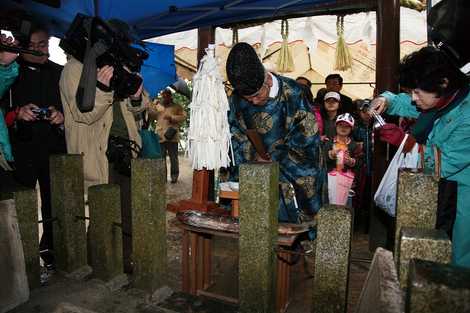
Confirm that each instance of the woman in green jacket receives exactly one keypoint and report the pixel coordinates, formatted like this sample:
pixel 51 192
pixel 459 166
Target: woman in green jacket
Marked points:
pixel 8 73
pixel 441 93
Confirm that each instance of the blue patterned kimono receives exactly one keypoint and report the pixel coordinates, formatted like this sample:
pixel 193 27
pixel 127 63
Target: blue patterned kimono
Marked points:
pixel 290 135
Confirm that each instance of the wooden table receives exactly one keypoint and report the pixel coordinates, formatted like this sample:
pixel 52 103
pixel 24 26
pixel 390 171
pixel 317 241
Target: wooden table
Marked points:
pixel 197 258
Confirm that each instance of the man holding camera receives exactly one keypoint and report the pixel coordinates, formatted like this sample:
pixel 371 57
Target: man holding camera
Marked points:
pixel 107 135
pixel 35 121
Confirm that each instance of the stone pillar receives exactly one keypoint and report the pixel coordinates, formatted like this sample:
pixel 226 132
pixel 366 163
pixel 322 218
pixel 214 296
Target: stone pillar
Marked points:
pixel 331 264
pixel 259 202
pixel 26 203
pixel 148 185
pixel 105 237
pixel 381 291
pixel 437 288
pixel 416 201
pixel 67 199
pixel 425 244
pixel 14 290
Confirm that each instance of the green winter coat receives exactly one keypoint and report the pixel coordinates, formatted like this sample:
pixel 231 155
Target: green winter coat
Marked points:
pixel 7 77
pixel 451 135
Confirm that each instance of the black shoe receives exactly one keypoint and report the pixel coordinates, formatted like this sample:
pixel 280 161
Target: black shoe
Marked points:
pixel 174 180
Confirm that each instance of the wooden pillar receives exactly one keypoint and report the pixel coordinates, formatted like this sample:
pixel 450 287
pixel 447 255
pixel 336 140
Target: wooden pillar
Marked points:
pixel 205 36
pixel 387 60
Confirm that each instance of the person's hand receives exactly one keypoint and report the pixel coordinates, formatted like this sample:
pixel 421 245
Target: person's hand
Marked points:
pixel 259 158
pixel 105 74
pixel 167 117
pixel 25 113
pixel 348 160
pixel 379 105
pixel 324 138
pixel 56 117
pixel 138 94
pixel 6 58
pixel 332 154
pixel 392 134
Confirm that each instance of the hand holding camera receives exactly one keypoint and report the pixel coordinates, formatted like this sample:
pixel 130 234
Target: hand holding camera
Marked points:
pixel 374 108
pixel 32 113
pixel 105 74
pixel 6 58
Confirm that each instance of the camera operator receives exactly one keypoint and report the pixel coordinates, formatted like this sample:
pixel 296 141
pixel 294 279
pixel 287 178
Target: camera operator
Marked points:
pixel 94 134
pixel 35 120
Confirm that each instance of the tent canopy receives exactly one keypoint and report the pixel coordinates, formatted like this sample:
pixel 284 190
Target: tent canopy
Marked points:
pixel 156 18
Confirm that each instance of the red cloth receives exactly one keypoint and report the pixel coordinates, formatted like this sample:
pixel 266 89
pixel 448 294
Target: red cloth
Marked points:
pixel 10 118
pixel 392 134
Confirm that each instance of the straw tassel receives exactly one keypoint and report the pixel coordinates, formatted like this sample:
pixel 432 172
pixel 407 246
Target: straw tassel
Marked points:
pixel 343 56
pixel 285 62
pixel 209 133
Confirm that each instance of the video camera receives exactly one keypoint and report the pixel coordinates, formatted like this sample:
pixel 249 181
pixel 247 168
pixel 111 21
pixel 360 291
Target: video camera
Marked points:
pixel 19 25
pixel 95 43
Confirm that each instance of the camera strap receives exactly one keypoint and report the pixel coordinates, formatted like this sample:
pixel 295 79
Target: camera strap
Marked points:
pixel 86 91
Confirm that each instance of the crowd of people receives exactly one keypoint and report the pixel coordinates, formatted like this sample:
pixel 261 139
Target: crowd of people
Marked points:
pixel 308 136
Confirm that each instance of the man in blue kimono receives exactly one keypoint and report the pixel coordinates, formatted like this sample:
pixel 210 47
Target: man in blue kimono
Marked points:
pixel 274 107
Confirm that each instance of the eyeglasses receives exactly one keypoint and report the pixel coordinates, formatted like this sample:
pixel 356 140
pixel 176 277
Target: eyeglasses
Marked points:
pixel 38 45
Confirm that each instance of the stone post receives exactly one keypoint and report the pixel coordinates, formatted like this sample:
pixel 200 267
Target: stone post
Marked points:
pixel 331 264
pixel 381 291
pixel 68 206
pixel 425 244
pixel 437 288
pixel 106 237
pixel 416 201
pixel 26 203
pixel 148 185
pixel 259 202
pixel 14 290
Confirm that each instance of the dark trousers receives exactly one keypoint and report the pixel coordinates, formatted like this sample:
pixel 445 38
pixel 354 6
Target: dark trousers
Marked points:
pixel 27 173
pixel 446 206
pixel 171 149
pixel 124 183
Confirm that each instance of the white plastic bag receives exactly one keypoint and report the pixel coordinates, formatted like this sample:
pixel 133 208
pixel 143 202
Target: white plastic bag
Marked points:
pixel 386 195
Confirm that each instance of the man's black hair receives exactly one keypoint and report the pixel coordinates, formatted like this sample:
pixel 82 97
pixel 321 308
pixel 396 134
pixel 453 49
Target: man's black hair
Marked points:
pixel 37 27
pixel 334 76
pixel 309 83
pixel 427 68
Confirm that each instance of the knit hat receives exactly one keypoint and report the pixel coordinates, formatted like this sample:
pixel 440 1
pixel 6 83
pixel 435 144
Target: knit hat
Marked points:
pixel 244 69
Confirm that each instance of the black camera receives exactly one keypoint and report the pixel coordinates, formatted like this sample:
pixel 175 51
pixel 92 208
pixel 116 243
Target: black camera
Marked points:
pixel 42 113
pixel 20 25
pixel 126 60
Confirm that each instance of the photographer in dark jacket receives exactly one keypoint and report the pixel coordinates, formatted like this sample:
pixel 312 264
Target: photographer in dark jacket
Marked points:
pixel 35 121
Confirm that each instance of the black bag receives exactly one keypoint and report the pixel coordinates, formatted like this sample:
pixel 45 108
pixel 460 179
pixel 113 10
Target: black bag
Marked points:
pixel 119 153
pixel 170 133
